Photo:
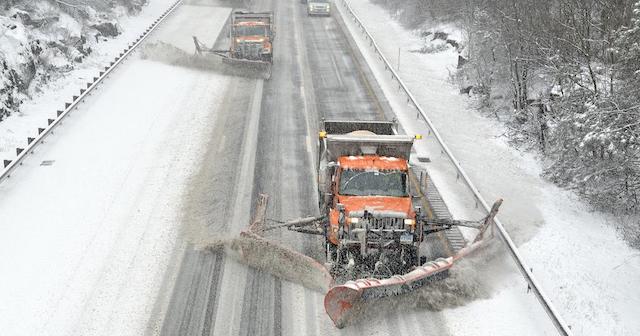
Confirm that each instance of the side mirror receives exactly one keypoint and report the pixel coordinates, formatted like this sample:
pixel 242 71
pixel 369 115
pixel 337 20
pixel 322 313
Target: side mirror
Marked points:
pixel 325 172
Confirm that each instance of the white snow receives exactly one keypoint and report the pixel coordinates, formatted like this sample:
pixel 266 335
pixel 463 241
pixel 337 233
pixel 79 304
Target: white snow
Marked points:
pixel 34 112
pixel 85 240
pixel 591 275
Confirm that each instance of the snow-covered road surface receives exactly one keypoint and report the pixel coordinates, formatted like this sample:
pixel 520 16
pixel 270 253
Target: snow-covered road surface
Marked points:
pixel 51 97
pixel 315 75
pixel 90 221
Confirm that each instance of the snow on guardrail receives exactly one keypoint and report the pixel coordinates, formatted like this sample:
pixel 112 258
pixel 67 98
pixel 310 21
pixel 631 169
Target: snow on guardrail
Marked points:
pixel 10 165
pixel 553 314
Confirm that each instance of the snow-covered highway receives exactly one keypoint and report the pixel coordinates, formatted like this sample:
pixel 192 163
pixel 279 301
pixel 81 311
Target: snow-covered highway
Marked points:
pixel 91 219
pixel 317 74
pixel 104 229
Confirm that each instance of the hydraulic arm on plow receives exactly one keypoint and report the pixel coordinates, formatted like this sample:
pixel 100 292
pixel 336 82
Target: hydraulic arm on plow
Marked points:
pixel 373 227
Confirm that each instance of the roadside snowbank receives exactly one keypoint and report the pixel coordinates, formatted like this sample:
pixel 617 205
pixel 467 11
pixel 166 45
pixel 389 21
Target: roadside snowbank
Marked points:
pixel 589 272
pixel 89 223
pixel 49 52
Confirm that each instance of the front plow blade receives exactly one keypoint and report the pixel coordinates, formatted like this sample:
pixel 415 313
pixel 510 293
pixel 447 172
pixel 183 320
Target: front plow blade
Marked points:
pixel 235 66
pixel 342 303
pixel 250 68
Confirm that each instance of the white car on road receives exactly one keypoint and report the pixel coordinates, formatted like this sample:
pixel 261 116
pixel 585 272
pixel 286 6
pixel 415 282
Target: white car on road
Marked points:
pixel 319 7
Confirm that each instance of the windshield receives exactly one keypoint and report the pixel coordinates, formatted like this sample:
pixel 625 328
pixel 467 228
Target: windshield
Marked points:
pixel 373 183
pixel 251 30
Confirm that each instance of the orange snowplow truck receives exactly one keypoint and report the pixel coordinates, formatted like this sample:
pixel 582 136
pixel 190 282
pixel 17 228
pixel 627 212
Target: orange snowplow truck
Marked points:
pixel 252 36
pixel 364 191
pixel 378 240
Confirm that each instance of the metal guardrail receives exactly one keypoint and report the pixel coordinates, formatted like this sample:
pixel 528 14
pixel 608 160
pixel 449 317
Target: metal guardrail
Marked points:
pixel 553 314
pixel 32 143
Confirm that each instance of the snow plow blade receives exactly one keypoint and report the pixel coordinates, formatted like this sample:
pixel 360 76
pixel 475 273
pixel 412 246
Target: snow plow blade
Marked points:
pixel 236 66
pixel 256 251
pixel 282 262
pixel 249 67
pixel 344 302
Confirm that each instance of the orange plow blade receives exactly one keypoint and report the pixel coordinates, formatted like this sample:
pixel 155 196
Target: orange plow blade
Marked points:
pixel 341 302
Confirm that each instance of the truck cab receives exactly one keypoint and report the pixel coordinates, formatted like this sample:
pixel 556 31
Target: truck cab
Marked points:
pixel 252 36
pixel 372 190
pixel 364 182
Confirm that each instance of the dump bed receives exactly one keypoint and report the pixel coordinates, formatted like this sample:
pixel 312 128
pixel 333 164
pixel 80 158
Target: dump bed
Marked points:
pixel 334 127
pixel 263 17
pixel 343 138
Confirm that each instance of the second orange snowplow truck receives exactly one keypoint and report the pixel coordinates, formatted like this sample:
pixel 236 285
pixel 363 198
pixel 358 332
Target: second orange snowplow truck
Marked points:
pixel 252 36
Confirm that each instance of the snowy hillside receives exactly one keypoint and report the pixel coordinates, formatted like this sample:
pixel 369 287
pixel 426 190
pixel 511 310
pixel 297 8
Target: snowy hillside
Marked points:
pixel 43 40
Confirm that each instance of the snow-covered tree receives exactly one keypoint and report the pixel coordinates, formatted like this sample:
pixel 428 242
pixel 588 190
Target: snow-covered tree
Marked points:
pixel 565 75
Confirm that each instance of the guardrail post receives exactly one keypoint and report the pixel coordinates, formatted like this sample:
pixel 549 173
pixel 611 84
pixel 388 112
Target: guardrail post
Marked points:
pixel 32 142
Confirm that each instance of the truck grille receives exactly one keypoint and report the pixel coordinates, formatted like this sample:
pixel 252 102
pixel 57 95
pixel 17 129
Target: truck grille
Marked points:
pixel 386 223
pixel 250 50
